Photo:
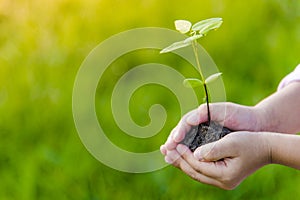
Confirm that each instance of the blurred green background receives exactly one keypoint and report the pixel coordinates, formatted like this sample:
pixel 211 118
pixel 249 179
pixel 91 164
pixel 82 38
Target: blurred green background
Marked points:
pixel 42 45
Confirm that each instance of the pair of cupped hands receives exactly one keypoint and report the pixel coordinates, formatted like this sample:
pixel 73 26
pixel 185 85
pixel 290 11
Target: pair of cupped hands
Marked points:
pixel 228 161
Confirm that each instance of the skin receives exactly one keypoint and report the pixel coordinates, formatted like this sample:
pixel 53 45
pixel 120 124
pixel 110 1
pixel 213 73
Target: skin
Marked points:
pixel 227 162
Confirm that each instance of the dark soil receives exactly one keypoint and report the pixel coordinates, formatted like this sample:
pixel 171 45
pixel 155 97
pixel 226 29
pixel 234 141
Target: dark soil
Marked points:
pixel 203 134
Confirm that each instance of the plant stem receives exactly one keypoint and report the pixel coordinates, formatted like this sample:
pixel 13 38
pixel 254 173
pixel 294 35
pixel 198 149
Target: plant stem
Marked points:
pixel 207 102
pixel 194 44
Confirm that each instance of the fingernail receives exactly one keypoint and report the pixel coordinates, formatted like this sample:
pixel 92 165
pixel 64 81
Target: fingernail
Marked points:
pixel 197 154
pixel 163 149
pixel 181 149
pixel 168 160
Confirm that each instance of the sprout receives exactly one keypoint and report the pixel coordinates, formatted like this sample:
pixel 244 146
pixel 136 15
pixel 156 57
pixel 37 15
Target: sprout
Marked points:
pixel 196 31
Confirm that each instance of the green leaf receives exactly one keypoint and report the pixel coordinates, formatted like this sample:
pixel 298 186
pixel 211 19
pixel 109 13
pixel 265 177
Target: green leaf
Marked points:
pixel 213 77
pixel 210 27
pixel 176 45
pixel 206 25
pixel 192 82
pixel 192 38
pixel 183 26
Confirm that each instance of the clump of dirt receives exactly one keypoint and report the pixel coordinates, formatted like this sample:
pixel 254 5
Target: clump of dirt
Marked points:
pixel 203 134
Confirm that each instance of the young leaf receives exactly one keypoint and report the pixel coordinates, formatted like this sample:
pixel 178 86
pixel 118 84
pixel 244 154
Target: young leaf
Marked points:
pixel 213 77
pixel 192 38
pixel 210 27
pixel 204 23
pixel 176 45
pixel 183 26
pixel 192 82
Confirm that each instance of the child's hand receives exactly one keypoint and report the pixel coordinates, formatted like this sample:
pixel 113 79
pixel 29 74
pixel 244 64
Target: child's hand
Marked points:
pixel 230 115
pixel 224 163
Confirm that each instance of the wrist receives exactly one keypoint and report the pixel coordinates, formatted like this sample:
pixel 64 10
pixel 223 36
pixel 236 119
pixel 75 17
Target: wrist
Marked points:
pixel 259 117
pixel 266 139
pixel 265 120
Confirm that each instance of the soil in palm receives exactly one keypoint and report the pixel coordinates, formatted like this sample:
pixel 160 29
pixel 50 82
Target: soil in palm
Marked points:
pixel 203 134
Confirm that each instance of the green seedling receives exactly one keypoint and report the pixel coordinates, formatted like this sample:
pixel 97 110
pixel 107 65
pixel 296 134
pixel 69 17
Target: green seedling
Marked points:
pixel 195 32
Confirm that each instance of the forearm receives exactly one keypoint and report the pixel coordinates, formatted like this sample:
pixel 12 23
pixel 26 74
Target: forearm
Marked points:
pixel 284 149
pixel 280 112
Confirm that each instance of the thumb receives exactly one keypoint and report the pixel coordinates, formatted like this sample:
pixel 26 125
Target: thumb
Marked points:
pixel 217 111
pixel 215 151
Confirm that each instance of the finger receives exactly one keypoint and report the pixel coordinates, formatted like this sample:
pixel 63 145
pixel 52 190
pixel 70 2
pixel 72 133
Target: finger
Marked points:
pixel 187 169
pixel 172 156
pixel 223 148
pixel 168 160
pixel 163 149
pixel 170 143
pixel 209 169
pixel 198 116
pixel 178 133
pixel 183 127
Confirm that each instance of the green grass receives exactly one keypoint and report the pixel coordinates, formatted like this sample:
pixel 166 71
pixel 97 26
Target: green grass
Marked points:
pixel 42 45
